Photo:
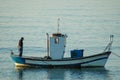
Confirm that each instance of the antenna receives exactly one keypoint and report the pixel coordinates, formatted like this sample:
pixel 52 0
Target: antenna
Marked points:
pixel 58 25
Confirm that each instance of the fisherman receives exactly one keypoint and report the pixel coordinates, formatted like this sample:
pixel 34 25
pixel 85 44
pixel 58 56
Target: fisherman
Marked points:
pixel 20 46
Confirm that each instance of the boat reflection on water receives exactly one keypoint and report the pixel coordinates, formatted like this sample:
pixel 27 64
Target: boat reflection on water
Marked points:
pixel 61 73
pixel 20 73
pixel 48 73
pixel 56 74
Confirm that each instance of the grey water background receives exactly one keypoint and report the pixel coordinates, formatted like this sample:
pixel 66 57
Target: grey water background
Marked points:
pixel 88 24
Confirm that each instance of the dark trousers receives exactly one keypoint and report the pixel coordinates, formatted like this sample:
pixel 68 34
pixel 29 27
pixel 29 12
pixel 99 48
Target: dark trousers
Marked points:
pixel 20 51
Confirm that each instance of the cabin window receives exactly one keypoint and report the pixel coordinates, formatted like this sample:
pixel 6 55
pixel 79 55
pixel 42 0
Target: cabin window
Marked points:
pixel 56 40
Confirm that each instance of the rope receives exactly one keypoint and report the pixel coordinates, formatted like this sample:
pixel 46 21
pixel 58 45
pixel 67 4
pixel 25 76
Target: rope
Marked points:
pixel 116 54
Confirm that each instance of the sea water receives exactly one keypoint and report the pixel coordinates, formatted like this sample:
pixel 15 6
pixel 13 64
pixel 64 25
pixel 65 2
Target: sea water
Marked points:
pixel 87 23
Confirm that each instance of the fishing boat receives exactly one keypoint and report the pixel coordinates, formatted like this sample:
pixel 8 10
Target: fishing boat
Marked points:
pixel 56 44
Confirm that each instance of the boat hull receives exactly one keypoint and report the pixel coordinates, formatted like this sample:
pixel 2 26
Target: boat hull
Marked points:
pixel 98 60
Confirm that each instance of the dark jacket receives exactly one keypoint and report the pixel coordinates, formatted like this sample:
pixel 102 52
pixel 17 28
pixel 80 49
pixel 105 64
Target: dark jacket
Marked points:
pixel 20 44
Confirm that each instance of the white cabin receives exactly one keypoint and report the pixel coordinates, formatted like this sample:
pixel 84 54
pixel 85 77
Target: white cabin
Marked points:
pixel 57 45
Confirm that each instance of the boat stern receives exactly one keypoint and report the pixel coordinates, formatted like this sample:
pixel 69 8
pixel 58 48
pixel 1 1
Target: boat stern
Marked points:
pixel 17 59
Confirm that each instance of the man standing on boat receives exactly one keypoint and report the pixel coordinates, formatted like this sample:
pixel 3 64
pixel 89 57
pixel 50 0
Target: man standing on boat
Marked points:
pixel 20 46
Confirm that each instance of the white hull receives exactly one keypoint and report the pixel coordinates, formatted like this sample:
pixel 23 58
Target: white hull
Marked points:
pixel 98 60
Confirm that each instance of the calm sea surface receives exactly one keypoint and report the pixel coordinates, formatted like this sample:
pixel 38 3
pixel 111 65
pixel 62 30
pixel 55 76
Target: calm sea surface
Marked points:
pixel 88 24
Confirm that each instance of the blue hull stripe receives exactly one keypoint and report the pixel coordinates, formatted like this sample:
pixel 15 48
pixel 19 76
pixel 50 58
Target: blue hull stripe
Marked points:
pixel 77 64
pixel 22 61
pixel 94 60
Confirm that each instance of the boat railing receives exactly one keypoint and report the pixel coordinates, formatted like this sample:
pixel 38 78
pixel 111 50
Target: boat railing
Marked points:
pixel 108 47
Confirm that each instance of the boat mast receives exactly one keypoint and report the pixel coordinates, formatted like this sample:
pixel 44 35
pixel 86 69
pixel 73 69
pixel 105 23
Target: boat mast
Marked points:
pixel 58 25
